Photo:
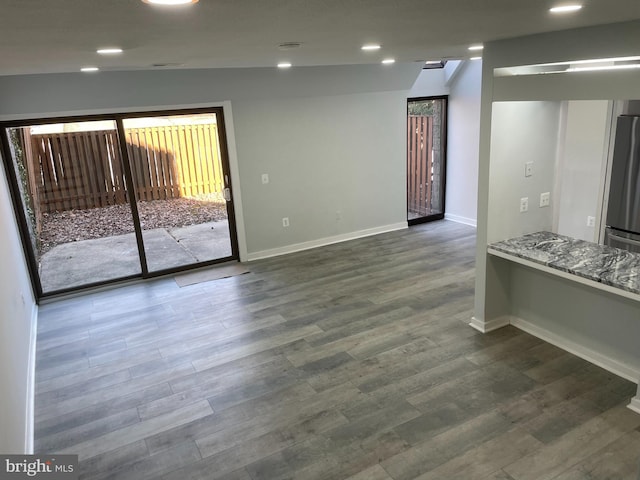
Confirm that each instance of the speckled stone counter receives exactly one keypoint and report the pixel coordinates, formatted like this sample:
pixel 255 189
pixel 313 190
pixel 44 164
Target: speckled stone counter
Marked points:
pixel 598 263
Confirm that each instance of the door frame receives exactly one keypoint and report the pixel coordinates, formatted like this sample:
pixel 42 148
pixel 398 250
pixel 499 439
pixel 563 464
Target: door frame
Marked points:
pixel 117 118
pixel 443 171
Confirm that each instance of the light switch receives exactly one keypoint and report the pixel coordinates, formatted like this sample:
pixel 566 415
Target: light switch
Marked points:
pixel 265 178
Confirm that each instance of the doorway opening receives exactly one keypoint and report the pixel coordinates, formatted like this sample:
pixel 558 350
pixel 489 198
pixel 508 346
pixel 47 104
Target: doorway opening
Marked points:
pixel 109 198
pixel 426 158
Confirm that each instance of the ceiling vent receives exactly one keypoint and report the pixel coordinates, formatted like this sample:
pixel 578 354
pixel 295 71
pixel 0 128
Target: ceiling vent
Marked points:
pixel 289 45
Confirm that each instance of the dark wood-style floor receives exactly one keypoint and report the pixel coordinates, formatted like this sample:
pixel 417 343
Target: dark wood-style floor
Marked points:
pixel 351 361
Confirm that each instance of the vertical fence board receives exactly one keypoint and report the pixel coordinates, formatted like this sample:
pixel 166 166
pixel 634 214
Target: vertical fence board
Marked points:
pixel 193 165
pixel 214 148
pixel 409 165
pixel 212 160
pixel 134 161
pixel 203 157
pixel 424 168
pixel 429 164
pixel 161 151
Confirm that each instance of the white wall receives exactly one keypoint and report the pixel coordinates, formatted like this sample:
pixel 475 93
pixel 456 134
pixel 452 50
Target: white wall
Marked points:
pixel 463 137
pixel 336 165
pixel 522 132
pixel 32 96
pixel 431 82
pixel 580 168
pixel 17 335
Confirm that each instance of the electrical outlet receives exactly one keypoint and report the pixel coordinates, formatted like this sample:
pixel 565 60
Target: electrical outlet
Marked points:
pixel 545 199
pixel 285 221
pixel 265 178
pixel 528 169
pixel 524 204
pixel 591 221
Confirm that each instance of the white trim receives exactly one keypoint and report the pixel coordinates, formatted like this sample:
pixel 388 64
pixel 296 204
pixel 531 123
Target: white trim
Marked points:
pixel 31 385
pixel 234 172
pixel 568 276
pixel 464 220
pixel 491 325
pixel 321 242
pixel 634 404
pixel 626 371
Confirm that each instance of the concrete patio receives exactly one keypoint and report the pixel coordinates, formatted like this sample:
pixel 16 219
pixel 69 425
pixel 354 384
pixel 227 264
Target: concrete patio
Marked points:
pixel 89 261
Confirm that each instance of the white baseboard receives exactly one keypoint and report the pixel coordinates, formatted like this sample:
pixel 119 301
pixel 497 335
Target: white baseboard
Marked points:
pixel 491 325
pixel 31 386
pixel 634 404
pixel 321 242
pixel 458 219
pixel 621 369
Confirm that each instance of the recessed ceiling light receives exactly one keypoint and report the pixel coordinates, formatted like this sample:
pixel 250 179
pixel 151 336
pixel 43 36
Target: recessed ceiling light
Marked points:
pixel 388 61
pixel 109 51
pixel 475 48
pixel 565 8
pixel 370 47
pixel 89 69
pixel 170 2
pixel 284 65
pixel 475 58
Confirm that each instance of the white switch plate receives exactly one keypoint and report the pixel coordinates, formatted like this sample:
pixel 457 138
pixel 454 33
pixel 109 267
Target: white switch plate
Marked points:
pixel 528 169
pixel 265 178
pixel 544 199
pixel 591 221
pixel 524 204
pixel 285 221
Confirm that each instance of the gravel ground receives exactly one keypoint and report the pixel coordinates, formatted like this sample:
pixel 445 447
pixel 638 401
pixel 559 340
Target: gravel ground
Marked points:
pixel 76 225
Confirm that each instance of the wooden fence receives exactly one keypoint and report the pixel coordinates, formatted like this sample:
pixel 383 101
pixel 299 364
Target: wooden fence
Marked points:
pixel 82 170
pixel 419 164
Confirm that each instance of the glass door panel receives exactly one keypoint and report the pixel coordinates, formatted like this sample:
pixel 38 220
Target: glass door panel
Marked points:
pixel 75 201
pixel 180 183
pixel 426 152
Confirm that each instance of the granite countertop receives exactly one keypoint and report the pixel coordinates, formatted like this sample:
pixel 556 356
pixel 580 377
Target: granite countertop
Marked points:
pixel 600 263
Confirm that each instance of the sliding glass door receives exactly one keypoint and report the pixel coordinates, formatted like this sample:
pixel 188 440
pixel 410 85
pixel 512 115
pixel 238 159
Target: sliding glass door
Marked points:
pixel 118 197
pixel 180 181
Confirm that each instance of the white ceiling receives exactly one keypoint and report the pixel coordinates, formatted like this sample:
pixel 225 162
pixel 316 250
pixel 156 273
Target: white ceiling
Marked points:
pixel 46 36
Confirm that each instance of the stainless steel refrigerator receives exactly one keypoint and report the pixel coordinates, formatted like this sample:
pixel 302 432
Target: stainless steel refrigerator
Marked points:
pixel 623 212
